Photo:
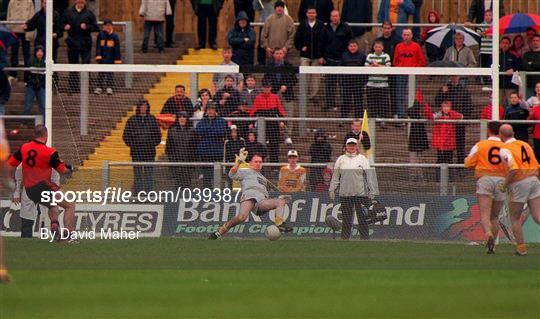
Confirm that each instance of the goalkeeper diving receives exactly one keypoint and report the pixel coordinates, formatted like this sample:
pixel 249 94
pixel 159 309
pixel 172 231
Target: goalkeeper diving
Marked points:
pixel 255 197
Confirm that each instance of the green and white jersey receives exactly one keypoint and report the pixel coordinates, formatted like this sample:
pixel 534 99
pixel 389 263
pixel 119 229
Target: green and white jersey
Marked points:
pixel 379 81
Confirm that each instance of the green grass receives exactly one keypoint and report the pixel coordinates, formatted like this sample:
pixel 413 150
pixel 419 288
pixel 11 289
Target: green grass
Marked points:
pixel 196 278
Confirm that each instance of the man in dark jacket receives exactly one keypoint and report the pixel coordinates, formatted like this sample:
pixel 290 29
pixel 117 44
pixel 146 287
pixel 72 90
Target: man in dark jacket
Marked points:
pixel 79 22
pixel 211 131
pixel 207 11
pixel 38 23
pixel 337 37
pixel 254 147
pixel 178 103
pixel 233 145
pixel 107 52
pixel 531 62
pixel 389 39
pixel 180 147
pixel 142 134
pixel 320 152
pixel 241 112
pixel 359 135
pixel 323 8
pixel 242 40
pixel 517 110
pixel 353 85
pixel 35 86
pixel 309 41
pixel 282 80
pixel 477 10
pixel 508 63
pixel 357 11
pixel 228 98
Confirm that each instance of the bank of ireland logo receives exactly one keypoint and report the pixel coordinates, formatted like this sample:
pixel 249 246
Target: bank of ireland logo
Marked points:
pixel 461 222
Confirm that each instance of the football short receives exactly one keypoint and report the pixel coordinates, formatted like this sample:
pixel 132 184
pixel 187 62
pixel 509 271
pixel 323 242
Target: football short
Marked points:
pixel 487 185
pixel 34 193
pixel 255 197
pixel 524 190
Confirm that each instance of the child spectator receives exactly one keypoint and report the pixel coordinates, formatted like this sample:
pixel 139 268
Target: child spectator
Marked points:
pixel 444 134
pixel 292 177
pixel 35 86
pixel 433 52
pixel 324 184
pixel 107 52
pixel 378 91
pixel 518 110
pixel 320 152
pixel 242 40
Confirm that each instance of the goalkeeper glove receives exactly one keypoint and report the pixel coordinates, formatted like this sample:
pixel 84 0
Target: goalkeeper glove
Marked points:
pixel 242 155
pixel 502 187
pixel 332 195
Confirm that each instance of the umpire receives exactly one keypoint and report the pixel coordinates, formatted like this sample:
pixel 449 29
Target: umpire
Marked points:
pixel 355 188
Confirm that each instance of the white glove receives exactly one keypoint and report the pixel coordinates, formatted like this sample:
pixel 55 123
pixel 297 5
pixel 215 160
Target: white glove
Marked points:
pixel 502 187
pixel 242 155
pixel 332 195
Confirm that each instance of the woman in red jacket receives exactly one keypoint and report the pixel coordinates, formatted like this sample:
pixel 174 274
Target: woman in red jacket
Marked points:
pixel 444 134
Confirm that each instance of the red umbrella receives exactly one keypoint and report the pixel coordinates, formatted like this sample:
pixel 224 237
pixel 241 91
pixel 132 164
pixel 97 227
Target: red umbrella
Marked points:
pixel 517 23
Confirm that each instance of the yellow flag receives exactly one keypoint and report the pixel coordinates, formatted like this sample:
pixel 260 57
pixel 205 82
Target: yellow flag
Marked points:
pixel 235 183
pixel 365 128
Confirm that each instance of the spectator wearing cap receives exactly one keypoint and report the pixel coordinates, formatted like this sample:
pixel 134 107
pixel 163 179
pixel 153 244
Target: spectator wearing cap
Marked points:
pixel 241 112
pixel 250 90
pixel 228 97
pixel 107 52
pixel 320 151
pixel 292 177
pixel 178 103
pixel 268 104
pixel 355 188
pixel 278 32
pixel 242 38
pixel 255 147
pixel 211 131
pixel 207 11
pixel 180 147
pixel 233 144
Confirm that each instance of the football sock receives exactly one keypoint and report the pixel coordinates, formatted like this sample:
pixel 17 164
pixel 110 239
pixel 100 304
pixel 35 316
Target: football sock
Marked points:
pixel 521 248
pixel 489 235
pixel 225 228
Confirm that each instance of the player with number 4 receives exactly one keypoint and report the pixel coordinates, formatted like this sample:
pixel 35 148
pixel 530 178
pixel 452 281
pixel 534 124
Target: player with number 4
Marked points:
pixel 521 182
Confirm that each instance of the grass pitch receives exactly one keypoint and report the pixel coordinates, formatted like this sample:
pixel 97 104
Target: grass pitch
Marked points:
pixel 197 278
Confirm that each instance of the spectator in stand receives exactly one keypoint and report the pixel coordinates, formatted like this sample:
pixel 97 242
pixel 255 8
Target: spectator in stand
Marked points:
pixel 337 37
pixel 509 63
pixel 529 35
pixel 478 8
pixel 519 48
pixel 353 85
pixel 518 110
pixel 309 41
pixel 459 53
pixel 320 152
pixel 207 11
pixel 416 18
pixel 292 177
pixel 233 144
pixel 278 32
pixel 268 104
pixel 461 100
pixel 250 91
pixel 169 27
pixel 534 100
pixel 204 99
pixel 486 44
pixel 378 90
pixel 20 10
pixel 211 131
pixel 266 9
pixel 154 13
pixel 359 135
pixel 358 11
pixel 389 39
pixel 324 184
pixel 322 7
pixel 178 103
pixel 107 52
pixel 243 126
pixel 254 147
pixel 35 85
pixel 418 140
pixel 38 23
pixel 228 98
pixel 5 91
pixel 531 62
pixel 142 134
pixel 433 52
pixel 282 81
pixel 3 9
pixel 444 134
pixel 180 147
pixel 242 40
pixel 487 111
pixel 246 6
pixel 218 80
pixel 395 11
pixel 534 115
pixel 79 22
pixel 407 54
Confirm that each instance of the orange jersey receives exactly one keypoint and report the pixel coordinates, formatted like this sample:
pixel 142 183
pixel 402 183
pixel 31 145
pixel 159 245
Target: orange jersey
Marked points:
pixel 518 155
pixel 485 158
pixel 292 180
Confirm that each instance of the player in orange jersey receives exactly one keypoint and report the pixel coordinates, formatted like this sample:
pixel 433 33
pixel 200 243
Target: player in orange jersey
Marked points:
pixel 489 172
pixel 522 182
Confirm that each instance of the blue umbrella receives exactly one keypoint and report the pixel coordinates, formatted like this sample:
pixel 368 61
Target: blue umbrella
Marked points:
pixel 443 37
pixel 7 37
